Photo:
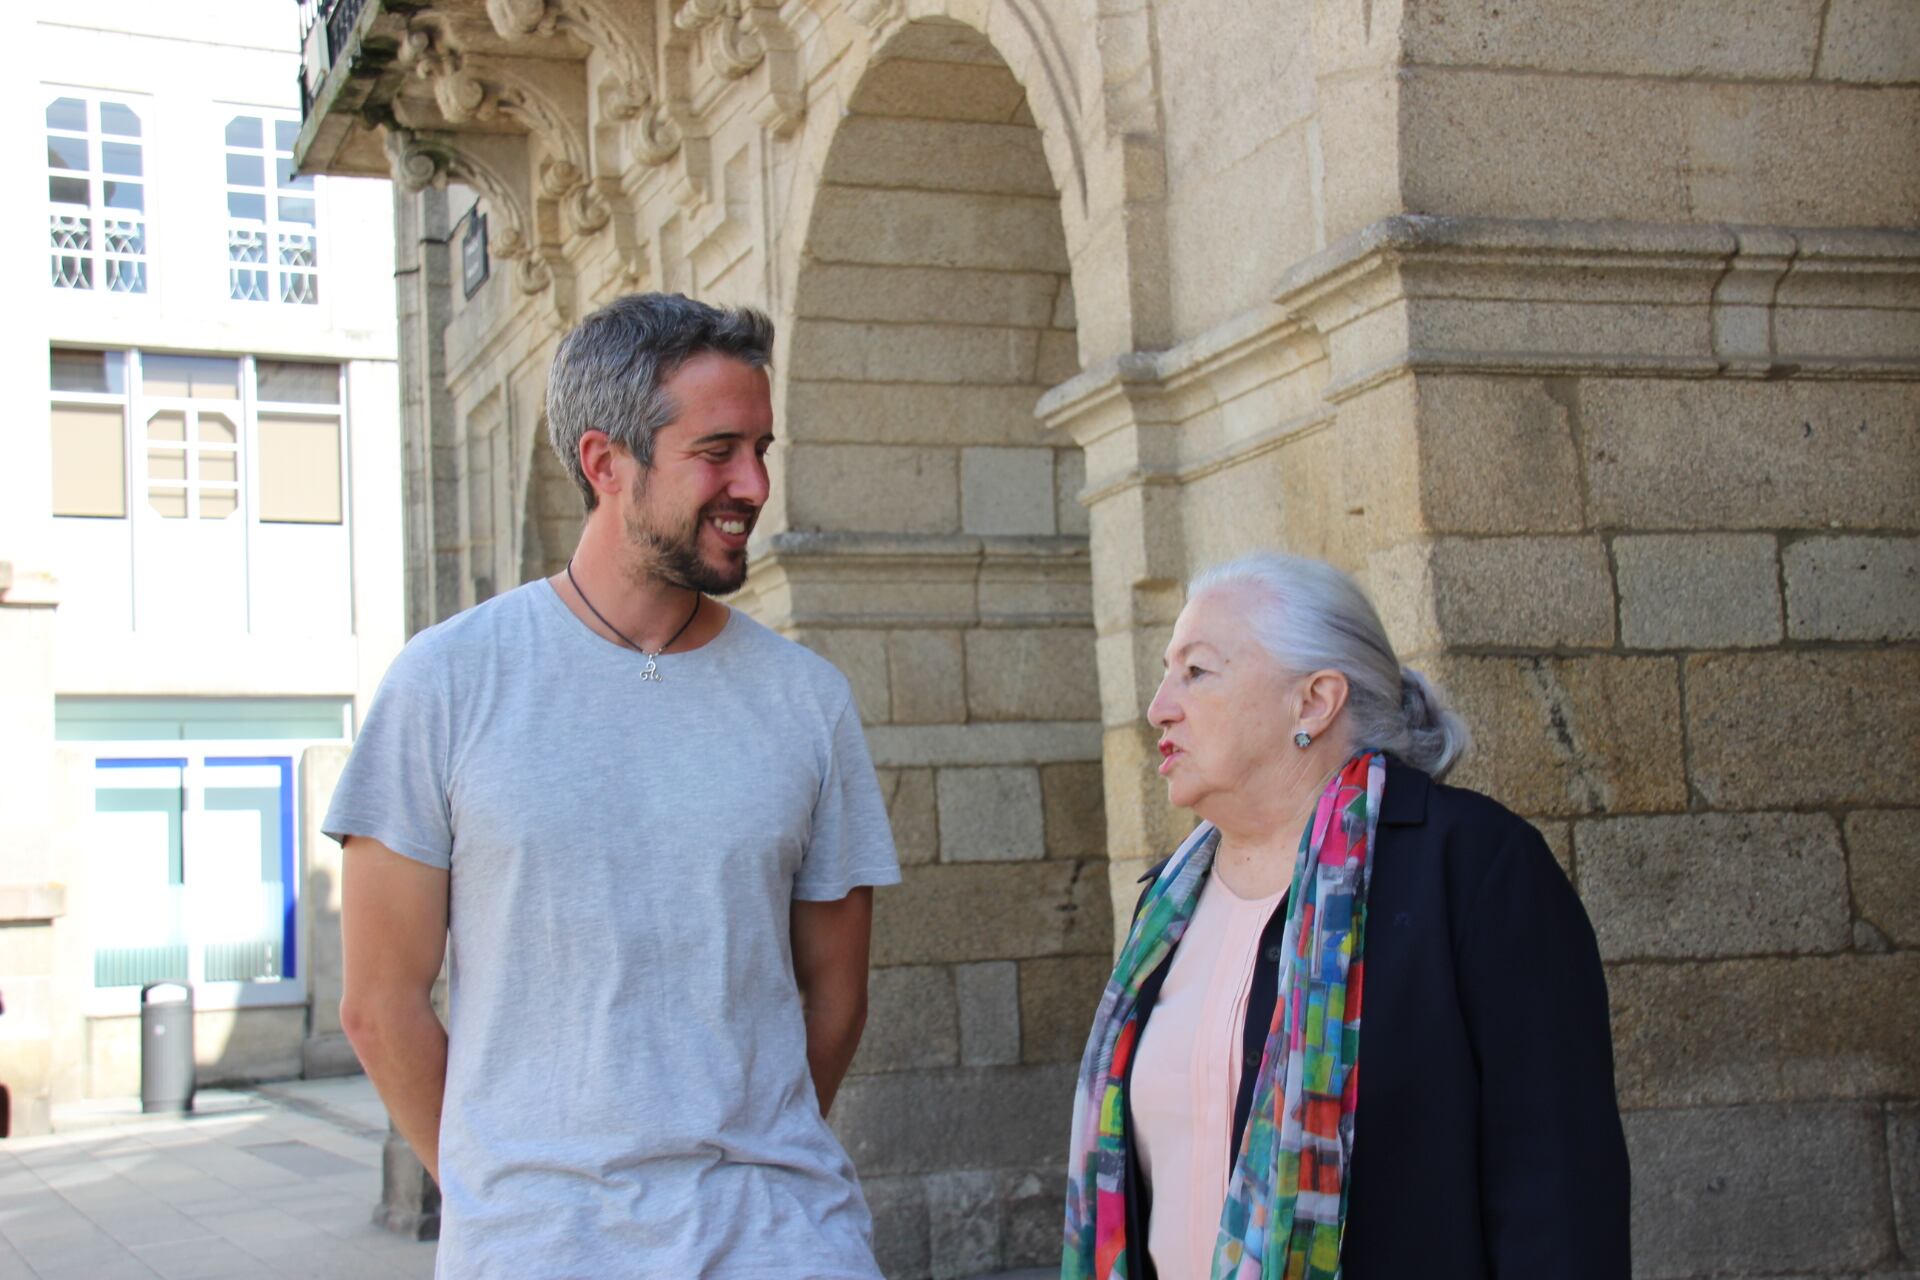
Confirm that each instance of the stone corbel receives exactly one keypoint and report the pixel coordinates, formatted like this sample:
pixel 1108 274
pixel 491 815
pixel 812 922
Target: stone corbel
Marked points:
pixel 874 14
pixel 742 37
pixel 1743 301
pixel 496 166
pixel 469 89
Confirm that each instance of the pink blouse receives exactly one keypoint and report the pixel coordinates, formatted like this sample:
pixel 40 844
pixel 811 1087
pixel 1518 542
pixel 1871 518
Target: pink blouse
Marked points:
pixel 1188 1075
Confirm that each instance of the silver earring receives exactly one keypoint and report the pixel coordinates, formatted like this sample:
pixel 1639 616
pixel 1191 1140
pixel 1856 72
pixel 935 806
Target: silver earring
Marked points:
pixel 1303 739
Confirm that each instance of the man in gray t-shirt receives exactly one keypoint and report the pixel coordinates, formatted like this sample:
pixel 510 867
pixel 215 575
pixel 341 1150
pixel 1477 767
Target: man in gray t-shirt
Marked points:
pixel 644 830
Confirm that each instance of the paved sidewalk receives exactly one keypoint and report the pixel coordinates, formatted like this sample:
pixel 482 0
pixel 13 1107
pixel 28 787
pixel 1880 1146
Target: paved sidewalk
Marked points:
pixel 276 1182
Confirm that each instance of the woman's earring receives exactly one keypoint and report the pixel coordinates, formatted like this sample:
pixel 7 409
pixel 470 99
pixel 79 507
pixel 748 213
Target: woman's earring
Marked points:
pixel 1303 739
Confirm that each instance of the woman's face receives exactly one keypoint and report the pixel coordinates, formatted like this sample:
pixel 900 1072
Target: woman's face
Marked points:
pixel 1224 708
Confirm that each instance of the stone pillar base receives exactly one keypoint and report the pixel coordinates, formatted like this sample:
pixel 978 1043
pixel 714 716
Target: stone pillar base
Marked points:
pixel 409 1199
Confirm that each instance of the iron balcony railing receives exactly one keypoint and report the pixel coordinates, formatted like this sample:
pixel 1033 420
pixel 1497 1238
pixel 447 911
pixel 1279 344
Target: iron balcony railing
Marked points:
pixel 324 28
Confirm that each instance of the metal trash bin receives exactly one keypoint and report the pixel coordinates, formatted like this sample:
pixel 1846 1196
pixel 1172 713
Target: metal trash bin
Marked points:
pixel 166 1047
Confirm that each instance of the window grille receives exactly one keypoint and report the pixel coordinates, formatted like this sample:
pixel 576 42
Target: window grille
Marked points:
pixel 96 193
pixel 273 236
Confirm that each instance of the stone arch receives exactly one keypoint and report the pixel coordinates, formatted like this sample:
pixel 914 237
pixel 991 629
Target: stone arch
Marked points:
pixel 928 537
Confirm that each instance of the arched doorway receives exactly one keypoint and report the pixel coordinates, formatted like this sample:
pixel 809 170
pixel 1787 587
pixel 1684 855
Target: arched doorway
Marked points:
pixel 933 545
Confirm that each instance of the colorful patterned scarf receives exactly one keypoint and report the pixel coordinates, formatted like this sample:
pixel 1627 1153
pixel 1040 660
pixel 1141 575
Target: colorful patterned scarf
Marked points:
pixel 1287 1201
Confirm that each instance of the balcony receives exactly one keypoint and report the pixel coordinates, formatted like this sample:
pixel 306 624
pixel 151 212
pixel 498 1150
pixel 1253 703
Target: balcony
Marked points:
pixel 496 94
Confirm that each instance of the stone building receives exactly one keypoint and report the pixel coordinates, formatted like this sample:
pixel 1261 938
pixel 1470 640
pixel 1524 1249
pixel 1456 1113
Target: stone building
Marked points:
pixel 1584 333
pixel 197 517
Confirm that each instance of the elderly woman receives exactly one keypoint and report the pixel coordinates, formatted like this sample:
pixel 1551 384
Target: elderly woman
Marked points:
pixel 1223 1126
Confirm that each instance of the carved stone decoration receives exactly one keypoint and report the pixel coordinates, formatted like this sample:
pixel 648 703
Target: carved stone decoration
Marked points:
pixel 420 161
pixel 873 14
pixel 523 17
pixel 733 47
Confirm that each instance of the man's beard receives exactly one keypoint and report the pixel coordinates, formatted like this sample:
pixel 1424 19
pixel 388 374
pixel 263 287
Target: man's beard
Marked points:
pixel 673 555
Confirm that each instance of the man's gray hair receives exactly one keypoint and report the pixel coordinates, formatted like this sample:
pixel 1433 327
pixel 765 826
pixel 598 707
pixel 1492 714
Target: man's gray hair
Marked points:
pixel 1312 617
pixel 608 372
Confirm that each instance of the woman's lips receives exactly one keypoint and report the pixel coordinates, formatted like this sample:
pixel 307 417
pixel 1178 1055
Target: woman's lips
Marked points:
pixel 1168 754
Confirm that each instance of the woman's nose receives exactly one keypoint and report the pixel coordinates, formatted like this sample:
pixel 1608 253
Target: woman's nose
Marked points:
pixel 1163 710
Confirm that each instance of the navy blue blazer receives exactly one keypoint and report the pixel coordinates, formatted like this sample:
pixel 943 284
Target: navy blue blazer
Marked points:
pixel 1488 1143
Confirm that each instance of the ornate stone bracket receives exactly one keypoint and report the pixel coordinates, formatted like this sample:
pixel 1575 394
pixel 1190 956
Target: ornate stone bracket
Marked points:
pixel 741 37
pixel 470 89
pixel 495 165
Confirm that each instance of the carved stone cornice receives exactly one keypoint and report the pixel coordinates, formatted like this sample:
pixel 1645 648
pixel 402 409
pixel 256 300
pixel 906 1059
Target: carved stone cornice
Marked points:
pixel 874 14
pixel 741 37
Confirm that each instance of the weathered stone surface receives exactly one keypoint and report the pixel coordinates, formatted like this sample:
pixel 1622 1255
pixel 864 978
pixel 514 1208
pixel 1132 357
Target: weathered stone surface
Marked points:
pixel 927 677
pixel 1714 884
pixel 1069 478
pixel 1853 588
pixel 1498 456
pixel 990 815
pixel 855 486
pixel 1035 1204
pixel 915 352
pixel 963 1223
pixel 929 295
pixel 899 1208
pixel 1757 1190
pixel 1566 736
pixel 913 813
pixel 1744 39
pixel 1534 593
pixel 940 155
pixel 906 413
pixel 989 996
pixel 1698 591
pixel 1496 143
pixel 1883 852
pixel 1745 455
pixel 1006 490
pixel 1074 804
pixel 1873 41
pixel 939 90
pixel 1903 1152
pixel 912 1020
pixel 938 229
pixel 1713 1033
pixel 1770 730
pixel 1032 674
pixel 991 911
pixel 862 659
pixel 965 1118
pixel 1057 1000
pixel 1042 742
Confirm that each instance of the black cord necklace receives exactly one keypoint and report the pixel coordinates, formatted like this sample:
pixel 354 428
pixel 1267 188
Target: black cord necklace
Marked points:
pixel 650 671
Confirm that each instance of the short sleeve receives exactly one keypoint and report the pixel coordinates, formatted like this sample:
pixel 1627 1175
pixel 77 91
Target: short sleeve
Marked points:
pixel 851 843
pixel 394 788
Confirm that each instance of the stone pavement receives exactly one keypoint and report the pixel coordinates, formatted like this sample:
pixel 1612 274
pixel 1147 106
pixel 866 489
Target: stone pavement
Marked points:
pixel 276 1181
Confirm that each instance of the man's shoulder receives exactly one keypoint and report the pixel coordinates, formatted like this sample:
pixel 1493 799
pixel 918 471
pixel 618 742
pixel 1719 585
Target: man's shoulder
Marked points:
pixel 483 626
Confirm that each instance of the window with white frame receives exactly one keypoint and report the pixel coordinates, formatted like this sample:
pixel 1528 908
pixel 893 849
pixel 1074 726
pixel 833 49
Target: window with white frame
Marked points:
pixel 198 417
pixel 96 191
pixel 273 229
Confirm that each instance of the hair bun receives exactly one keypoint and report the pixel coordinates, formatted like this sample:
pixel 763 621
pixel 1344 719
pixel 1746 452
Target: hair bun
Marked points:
pixel 1440 737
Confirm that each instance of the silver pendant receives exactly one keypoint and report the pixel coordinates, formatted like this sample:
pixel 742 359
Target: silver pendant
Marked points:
pixel 650 671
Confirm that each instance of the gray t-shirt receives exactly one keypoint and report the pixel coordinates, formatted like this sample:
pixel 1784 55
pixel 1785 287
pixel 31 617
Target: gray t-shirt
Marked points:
pixel 627 1084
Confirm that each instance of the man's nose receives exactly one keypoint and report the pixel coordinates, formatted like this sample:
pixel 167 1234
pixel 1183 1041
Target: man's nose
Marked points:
pixel 749 482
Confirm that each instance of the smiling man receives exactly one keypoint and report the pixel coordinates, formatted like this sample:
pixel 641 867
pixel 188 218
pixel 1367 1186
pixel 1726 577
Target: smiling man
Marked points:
pixel 648 828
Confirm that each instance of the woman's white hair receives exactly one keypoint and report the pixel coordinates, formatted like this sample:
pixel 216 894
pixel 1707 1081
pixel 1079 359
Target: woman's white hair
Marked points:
pixel 1312 617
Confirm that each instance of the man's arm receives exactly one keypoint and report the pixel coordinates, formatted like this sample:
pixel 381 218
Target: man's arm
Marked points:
pixel 393 921
pixel 830 963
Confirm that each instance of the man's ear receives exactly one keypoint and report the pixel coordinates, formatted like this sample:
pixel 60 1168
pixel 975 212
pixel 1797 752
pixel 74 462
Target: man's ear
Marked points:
pixel 599 462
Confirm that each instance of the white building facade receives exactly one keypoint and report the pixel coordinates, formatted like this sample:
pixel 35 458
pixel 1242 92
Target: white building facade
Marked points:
pixel 205 529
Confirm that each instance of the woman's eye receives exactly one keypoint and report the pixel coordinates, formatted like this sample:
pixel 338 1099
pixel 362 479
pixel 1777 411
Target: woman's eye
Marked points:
pixel 1194 673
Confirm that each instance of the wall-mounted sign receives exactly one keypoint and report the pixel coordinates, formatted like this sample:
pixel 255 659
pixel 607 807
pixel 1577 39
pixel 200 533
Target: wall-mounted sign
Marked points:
pixel 473 252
